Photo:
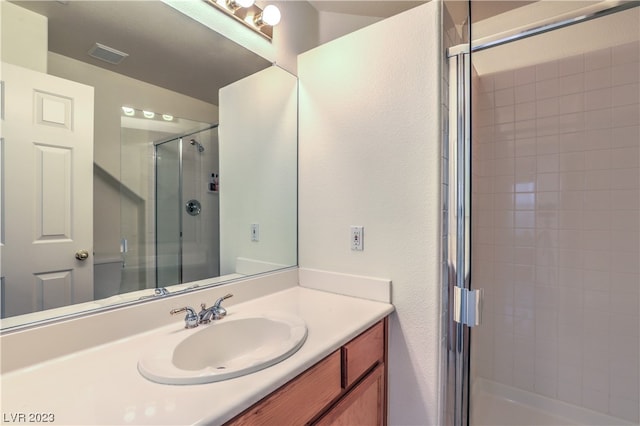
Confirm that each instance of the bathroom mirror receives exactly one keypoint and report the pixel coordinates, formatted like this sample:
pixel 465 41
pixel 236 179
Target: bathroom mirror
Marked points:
pixel 180 90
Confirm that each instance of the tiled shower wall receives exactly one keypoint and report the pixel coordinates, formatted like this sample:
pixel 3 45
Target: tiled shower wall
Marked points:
pixel 556 229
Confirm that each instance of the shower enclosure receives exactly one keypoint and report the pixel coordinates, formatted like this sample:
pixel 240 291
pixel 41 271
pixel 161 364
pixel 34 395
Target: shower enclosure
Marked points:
pixel 186 208
pixel 542 212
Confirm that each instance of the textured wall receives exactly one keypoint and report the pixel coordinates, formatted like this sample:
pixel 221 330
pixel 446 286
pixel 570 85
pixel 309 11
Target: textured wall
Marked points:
pixel 370 155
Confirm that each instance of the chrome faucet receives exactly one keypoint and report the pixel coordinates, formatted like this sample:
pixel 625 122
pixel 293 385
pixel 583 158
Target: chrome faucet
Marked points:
pixel 190 320
pixel 157 292
pixel 215 312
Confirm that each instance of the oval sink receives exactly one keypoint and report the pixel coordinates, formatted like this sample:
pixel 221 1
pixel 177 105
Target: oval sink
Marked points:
pixel 224 349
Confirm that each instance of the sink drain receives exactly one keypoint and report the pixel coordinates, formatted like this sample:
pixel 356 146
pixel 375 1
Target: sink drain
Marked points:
pixel 220 368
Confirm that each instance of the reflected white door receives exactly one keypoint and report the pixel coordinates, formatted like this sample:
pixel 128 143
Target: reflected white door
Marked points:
pixel 47 209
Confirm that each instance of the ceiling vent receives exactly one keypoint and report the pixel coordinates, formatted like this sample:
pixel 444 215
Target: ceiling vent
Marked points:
pixel 107 54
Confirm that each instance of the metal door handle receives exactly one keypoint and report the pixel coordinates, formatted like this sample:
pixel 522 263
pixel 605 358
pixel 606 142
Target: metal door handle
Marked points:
pixel 82 255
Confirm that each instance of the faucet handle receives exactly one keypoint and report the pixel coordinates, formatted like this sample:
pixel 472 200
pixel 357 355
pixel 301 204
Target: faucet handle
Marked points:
pixel 190 320
pixel 219 311
pixel 219 301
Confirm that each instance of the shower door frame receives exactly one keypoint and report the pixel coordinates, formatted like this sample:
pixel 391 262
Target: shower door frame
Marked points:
pixel 456 228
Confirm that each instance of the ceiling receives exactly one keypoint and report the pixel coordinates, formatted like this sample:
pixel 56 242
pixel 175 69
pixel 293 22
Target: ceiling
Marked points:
pixel 162 51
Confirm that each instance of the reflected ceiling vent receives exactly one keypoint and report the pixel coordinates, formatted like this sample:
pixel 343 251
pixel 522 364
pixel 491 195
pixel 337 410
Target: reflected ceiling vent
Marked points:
pixel 107 54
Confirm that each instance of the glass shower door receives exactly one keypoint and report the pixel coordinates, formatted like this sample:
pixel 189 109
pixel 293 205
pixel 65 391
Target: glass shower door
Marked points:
pixel 556 225
pixel 168 212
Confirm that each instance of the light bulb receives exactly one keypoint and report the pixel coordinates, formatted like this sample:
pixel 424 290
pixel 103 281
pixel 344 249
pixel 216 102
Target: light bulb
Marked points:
pixel 128 111
pixel 148 114
pixel 271 15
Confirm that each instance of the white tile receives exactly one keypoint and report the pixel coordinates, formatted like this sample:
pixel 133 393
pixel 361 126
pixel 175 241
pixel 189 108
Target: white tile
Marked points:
pixel 525 93
pixel 626 73
pixel 546 275
pixel 571 65
pixel 596 379
pixel 598 79
pixel 599 119
pixel 547 89
pixel 595 279
pixel 624 240
pixel 546 386
pixel 597 139
pixel 595 400
pixel 569 392
pixel 525 75
pixel 627 115
pixel 525 111
pixel 571 161
pixel 625 220
pixel 571 142
pixel 627 409
pixel 625 136
pixel 598 99
pixel 503 80
pixel 572 181
pixel 597 179
pixel 597 59
pixel 625 178
pixel 599 159
pixel 547 200
pixel 504 97
pixel 505 114
pixel 629 52
pixel 596 260
pixel 525 129
pixel 547 71
pixel 628 94
pixel 571 103
pixel 625 262
pixel 547 107
pixel 571 84
pixel 525 147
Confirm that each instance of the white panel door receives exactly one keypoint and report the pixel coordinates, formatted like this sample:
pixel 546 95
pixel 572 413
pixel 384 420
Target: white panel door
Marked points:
pixel 47 184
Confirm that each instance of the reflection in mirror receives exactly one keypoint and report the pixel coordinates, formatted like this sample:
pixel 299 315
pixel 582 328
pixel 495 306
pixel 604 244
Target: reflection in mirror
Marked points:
pixel 219 129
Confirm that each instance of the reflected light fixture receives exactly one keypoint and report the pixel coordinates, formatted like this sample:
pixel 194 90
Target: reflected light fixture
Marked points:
pixel 128 111
pixel 148 114
pixel 269 16
pixel 167 117
pixel 251 15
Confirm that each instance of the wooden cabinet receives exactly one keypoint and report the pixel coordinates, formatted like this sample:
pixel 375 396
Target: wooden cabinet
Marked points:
pixel 346 388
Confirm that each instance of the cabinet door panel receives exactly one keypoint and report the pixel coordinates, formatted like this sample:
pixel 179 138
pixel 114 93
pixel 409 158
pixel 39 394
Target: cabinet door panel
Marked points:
pixel 297 402
pixel 362 353
pixel 363 405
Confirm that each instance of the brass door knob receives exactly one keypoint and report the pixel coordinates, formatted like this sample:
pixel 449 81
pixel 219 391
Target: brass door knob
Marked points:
pixel 82 255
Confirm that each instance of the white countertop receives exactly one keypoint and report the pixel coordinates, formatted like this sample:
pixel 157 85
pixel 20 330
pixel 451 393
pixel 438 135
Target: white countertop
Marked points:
pixel 102 385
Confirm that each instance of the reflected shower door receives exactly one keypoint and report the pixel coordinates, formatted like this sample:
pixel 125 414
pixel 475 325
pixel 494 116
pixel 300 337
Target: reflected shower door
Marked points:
pixel 168 212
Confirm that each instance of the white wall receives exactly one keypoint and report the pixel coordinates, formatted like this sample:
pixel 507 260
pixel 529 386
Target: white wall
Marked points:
pixel 257 137
pixel 370 155
pixel 334 25
pixel 30 29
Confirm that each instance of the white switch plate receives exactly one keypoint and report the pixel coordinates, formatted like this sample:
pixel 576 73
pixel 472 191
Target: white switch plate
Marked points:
pixel 255 232
pixel 357 238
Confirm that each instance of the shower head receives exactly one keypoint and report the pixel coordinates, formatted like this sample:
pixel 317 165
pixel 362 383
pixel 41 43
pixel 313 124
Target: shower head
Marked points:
pixel 198 144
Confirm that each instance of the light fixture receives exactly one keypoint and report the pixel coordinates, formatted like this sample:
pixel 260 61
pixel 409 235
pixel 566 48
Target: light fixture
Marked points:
pixel 128 111
pixel 148 114
pixel 251 15
pixel 237 4
pixel 167 117
pixel 269 16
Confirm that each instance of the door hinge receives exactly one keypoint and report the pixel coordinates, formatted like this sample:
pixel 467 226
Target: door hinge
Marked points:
pixel 467 306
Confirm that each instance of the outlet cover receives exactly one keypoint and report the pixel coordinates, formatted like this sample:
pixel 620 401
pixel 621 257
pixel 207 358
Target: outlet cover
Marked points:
pixel 357 238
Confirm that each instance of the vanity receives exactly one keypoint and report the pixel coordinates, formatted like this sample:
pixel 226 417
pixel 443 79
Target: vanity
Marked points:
pixel 336 377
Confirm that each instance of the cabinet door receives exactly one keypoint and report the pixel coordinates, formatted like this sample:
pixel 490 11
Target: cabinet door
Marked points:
pixel 363 405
